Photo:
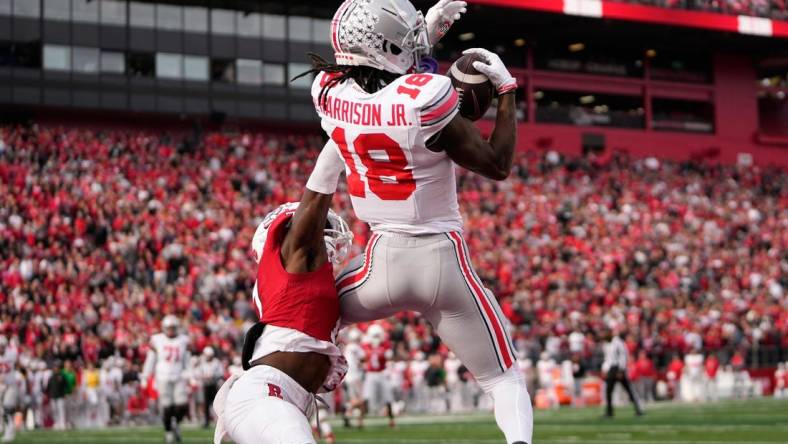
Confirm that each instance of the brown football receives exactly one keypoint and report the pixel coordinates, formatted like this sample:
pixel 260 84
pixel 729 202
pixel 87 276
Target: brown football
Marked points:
pixel 476 90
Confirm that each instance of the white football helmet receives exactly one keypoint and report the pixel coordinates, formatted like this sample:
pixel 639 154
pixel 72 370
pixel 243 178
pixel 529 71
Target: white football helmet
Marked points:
pixel 169 321
pixel 376 334
pixel 338 238
pixel 390 35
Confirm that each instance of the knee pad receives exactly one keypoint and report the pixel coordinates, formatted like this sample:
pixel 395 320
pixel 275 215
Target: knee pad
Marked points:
pixel 510 377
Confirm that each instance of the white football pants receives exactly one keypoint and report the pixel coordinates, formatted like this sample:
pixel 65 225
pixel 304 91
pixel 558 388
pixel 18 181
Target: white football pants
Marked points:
pixel 433 275
pixel 265 406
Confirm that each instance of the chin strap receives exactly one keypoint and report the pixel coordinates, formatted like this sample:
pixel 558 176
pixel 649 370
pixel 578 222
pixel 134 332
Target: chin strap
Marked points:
pixel 428 64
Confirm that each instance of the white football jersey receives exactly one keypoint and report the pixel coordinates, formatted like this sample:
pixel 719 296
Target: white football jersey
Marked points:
pixel 172 356
pixel 395 183
pixel 417 370
pixel 8 366
pixel 452 366
pixel 354 355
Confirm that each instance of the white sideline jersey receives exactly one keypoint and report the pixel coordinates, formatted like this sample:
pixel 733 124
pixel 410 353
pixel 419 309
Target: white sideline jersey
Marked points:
pixel 395 183
pixel 172 356
pixel 8 366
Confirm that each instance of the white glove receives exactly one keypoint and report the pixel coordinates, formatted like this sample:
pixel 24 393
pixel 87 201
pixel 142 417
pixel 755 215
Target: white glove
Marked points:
pixel 441 16
pixel 494 69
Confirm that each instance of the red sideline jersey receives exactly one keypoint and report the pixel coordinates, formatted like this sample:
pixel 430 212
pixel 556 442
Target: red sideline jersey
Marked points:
pixel 306 302
pixel 376 358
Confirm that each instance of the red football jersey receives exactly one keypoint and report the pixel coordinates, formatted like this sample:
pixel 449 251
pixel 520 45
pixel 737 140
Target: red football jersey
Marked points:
pixel 376 358
pixel 306 302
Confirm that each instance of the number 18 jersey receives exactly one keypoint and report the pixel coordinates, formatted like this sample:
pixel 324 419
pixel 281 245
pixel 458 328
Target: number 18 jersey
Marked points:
pixel 395 183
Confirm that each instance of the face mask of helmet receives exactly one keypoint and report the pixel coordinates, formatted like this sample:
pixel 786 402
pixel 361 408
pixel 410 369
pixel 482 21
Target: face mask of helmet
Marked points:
pixel 338 238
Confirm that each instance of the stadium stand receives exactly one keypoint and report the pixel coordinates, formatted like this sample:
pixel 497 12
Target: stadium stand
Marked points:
pixel 102 232
pixel 776 9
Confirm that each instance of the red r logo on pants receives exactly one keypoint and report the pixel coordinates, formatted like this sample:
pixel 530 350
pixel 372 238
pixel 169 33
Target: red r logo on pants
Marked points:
pixel 275 390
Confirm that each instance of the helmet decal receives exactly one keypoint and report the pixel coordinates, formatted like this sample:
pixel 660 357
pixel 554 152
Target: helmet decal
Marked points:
pixel 361 31
pixel 389 35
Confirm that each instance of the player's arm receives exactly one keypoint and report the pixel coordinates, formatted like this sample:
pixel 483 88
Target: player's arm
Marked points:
pixel 149 366
pixel 461 140
pixel 304 248
pixel 329 166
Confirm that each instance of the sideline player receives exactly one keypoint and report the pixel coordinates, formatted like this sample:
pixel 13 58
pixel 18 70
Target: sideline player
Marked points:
pixel 354 380
pixel 377 383
pixel 289 355
pixel 398 136
pixel 167 360
pixel 10 387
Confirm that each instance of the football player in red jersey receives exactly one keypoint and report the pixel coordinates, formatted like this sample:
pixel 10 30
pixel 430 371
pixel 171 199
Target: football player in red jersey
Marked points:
pixel 290 355
pixel 377 385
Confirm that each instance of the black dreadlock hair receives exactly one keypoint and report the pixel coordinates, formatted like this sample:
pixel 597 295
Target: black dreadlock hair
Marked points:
pixel 369 79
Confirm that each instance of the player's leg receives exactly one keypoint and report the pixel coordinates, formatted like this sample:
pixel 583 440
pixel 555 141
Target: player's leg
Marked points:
pixel 166 391
pixel 356 398
pixel 321 428
pixel 209 392
pixel 610 384
pixel 180 398
pixel 632 397
pixel 387 396
pixel 369 396
pixel 10 404
pixel 469 320
pixel 363 287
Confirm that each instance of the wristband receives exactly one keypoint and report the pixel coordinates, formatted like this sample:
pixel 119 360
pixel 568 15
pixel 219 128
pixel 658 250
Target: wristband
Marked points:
pixel 507 88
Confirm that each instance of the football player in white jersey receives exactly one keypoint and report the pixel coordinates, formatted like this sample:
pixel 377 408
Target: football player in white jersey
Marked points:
pixel 10 387
pixel 397 134
pixel 354 379
pixel 167 361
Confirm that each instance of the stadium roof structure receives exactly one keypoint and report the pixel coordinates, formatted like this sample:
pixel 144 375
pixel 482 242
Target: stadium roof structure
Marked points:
pixel 747 25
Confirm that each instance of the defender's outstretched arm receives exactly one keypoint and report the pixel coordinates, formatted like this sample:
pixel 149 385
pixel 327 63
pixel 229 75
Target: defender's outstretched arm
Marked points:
pixel 304 248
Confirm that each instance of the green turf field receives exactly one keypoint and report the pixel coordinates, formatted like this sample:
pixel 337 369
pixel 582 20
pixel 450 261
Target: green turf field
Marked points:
pixel 741 422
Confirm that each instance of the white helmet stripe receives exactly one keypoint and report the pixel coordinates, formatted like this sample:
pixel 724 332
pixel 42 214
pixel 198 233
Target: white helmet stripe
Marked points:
pixel 335 25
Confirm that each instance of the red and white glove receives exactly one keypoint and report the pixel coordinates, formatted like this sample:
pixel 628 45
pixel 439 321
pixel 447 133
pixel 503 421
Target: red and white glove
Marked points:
pixel 440 17
pixel 494 69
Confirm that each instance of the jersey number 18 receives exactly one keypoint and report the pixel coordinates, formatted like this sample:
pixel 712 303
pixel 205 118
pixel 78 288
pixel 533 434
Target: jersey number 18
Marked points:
pixel 388 179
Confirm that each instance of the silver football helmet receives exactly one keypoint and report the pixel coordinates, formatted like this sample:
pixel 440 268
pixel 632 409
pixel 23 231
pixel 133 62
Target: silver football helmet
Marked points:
pixel 390 35
pixel 338 237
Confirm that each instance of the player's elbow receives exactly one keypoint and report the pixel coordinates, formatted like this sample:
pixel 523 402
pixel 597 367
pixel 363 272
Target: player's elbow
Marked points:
pixel 499 174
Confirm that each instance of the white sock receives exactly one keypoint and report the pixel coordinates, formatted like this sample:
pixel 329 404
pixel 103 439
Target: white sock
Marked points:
pixel 325 427
pixel 512 403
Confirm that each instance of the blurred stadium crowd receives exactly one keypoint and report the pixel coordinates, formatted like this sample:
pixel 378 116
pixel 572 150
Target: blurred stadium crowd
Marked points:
pixel 103 232
pixel 776 9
